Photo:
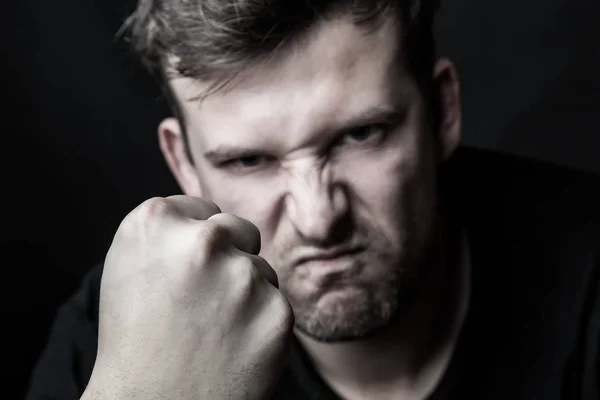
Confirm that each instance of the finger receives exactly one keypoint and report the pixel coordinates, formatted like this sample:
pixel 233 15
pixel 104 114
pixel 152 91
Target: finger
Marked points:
pixel 265 270
pixel 193 207
pixel 243 233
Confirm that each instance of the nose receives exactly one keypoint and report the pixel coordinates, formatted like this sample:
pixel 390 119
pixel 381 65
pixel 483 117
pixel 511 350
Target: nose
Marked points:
pixel 315 204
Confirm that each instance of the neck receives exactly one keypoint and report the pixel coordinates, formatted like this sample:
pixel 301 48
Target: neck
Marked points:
pixel 408 359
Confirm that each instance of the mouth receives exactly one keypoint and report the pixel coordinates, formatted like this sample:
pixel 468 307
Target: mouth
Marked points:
pixel 331 257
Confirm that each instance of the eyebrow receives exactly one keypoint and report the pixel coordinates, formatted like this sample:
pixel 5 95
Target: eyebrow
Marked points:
pixel 388 114
pixel 225 153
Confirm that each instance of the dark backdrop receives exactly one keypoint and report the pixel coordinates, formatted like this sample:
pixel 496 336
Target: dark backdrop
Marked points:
pixel 79 118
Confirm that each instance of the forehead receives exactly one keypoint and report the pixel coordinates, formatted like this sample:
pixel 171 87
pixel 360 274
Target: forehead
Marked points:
pixel 339 70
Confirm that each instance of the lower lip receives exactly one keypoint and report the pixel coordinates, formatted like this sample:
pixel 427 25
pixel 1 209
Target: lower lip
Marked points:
pixel 335 263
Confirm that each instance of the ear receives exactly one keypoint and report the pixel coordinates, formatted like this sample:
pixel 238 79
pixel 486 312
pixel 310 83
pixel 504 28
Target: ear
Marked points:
pixel 172 145
pixel 447 85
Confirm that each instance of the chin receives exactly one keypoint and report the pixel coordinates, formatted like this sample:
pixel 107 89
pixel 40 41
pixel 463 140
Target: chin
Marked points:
pixel 348 313
pixel 354 302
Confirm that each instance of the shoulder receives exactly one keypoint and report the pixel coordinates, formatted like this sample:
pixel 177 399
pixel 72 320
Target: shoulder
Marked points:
pixel 85 301
pixel 66 363
pixel 78 315
pixel 534 228
pixel 529 212
pixel 530 179
pixel 531 198
pixel 583 368
pixel 541 217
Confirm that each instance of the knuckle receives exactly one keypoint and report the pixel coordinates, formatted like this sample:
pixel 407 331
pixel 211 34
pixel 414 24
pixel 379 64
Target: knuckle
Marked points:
pixel 211 235
pixel 205 243
pixel 141 218
pixel 245 278
pixel 154 206
pixel 211 206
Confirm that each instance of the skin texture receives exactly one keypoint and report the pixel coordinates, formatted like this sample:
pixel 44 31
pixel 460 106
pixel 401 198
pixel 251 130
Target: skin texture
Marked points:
pixel 330 150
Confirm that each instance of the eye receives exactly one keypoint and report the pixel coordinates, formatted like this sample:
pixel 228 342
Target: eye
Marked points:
pixel 247 163
pixel 365 134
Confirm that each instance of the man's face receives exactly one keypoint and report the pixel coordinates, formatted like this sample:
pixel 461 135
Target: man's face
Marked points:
pixel 329 152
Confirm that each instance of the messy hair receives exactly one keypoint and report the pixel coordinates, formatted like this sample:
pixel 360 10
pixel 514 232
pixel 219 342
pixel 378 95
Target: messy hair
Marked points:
pixel 215 40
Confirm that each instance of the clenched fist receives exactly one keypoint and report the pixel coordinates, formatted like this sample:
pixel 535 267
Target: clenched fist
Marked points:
pixel 188 310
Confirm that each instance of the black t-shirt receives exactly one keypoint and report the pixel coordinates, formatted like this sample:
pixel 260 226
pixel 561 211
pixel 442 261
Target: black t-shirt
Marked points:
pixel 533 326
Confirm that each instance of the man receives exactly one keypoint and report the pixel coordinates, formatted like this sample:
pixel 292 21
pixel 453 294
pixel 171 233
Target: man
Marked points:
pixel 332 242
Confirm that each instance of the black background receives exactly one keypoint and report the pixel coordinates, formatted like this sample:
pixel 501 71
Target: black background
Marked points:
pixel 79 117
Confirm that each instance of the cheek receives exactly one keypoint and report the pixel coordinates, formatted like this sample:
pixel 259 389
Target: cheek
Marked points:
pixel 391 188
pixel 380 180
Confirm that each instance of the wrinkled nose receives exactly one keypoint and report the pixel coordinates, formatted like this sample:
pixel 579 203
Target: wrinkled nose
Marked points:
pixel 315 204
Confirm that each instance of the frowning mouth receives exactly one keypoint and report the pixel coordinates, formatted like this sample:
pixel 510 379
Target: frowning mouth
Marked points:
pixel 328 257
